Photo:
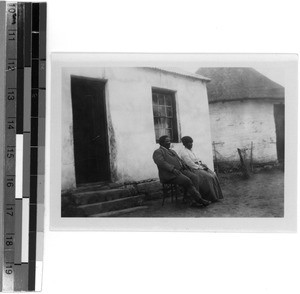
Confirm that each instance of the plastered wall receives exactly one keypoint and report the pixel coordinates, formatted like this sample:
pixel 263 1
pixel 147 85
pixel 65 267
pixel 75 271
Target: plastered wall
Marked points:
pixel 235 124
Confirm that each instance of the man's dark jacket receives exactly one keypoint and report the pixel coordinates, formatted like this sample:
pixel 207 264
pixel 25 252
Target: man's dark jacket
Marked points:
pixel 166 160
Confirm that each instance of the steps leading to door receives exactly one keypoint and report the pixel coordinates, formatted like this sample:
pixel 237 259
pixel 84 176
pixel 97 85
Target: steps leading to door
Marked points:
pixel 103 198
pixel 82 198
pixel 106 206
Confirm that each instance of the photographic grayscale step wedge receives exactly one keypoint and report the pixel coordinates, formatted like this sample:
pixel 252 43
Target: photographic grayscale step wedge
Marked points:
pixel 118 204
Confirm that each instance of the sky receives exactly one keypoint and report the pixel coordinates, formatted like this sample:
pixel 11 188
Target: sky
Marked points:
pixel 276 75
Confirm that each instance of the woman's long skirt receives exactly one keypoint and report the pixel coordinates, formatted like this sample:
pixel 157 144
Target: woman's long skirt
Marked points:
pixel 209 186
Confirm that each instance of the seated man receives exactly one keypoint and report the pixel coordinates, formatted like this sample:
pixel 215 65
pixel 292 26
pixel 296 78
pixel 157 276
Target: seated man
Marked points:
pixel 172 170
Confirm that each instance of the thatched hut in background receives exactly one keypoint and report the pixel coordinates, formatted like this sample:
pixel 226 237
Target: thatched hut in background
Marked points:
pixel 247 112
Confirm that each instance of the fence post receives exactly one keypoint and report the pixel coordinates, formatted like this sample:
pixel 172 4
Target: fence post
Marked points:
pixel 251 158
pixel 244 168
pixel 216 159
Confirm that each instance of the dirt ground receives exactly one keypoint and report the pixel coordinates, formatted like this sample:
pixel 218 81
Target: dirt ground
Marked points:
pixel 260 196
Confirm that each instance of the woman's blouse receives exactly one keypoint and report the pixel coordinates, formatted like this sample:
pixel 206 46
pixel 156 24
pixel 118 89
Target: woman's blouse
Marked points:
pixel 190 158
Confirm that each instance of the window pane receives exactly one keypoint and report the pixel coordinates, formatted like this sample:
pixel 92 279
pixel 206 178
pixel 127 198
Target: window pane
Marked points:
pixel 154 99
pixel 168 100
pixel 159 123
pixel 169 111
pixel 169 123
pixel 169 133
pixel 161 99
pixel 161 111
pixel 155 111
pixel 160 132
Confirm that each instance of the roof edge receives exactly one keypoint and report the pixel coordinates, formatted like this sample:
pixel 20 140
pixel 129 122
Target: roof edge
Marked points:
pixel 280 99
pixel 181 73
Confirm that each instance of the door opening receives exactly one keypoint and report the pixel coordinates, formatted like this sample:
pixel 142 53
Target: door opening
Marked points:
pixel 279 126
pixel 91 150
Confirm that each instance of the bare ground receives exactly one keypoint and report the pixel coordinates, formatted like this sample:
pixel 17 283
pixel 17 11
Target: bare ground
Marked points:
pixel 262 195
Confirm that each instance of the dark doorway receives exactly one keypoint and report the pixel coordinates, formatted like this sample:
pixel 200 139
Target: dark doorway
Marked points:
pixel 89 130
pixel 279 125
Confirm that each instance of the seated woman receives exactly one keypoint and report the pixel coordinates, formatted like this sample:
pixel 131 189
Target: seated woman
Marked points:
pixel 209 185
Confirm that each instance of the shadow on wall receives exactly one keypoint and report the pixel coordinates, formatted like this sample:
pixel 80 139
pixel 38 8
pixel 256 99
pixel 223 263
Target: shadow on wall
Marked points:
pixel 112 148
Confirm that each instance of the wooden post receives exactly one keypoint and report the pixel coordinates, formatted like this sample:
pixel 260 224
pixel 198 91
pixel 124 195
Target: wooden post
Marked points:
pixel 216 159
pixel 251 157
pixel 244 167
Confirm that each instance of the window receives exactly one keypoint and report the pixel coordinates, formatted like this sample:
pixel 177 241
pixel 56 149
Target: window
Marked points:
pixel 164 113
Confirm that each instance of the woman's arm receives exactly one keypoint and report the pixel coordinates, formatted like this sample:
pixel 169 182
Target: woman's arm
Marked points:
pixel 185 156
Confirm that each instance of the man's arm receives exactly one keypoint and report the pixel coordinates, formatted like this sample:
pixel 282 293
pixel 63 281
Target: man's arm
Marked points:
pixel 159 159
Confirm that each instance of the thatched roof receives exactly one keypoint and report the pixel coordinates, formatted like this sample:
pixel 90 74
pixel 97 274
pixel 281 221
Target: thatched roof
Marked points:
pixel 239 83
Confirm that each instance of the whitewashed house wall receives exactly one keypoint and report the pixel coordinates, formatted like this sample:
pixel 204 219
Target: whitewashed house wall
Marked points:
pixel 128 94
pixel 235 124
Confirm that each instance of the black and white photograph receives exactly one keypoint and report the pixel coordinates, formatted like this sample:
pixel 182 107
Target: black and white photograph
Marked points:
pixel 140 140
pixel 149 147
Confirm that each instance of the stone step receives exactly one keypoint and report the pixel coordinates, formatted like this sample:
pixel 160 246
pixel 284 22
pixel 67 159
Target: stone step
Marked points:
pixel 149 187
pixel 83 198
pixel 119 212
pixel 93 187
pixel 98 186
pixel 90 188
pixel 142 187
pixel 118 204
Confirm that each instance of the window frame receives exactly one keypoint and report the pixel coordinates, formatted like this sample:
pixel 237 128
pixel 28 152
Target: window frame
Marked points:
pixel 174 118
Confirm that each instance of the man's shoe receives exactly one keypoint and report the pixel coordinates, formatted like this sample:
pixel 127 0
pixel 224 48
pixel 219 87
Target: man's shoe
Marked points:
pixel 196 205
pixel 203 201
